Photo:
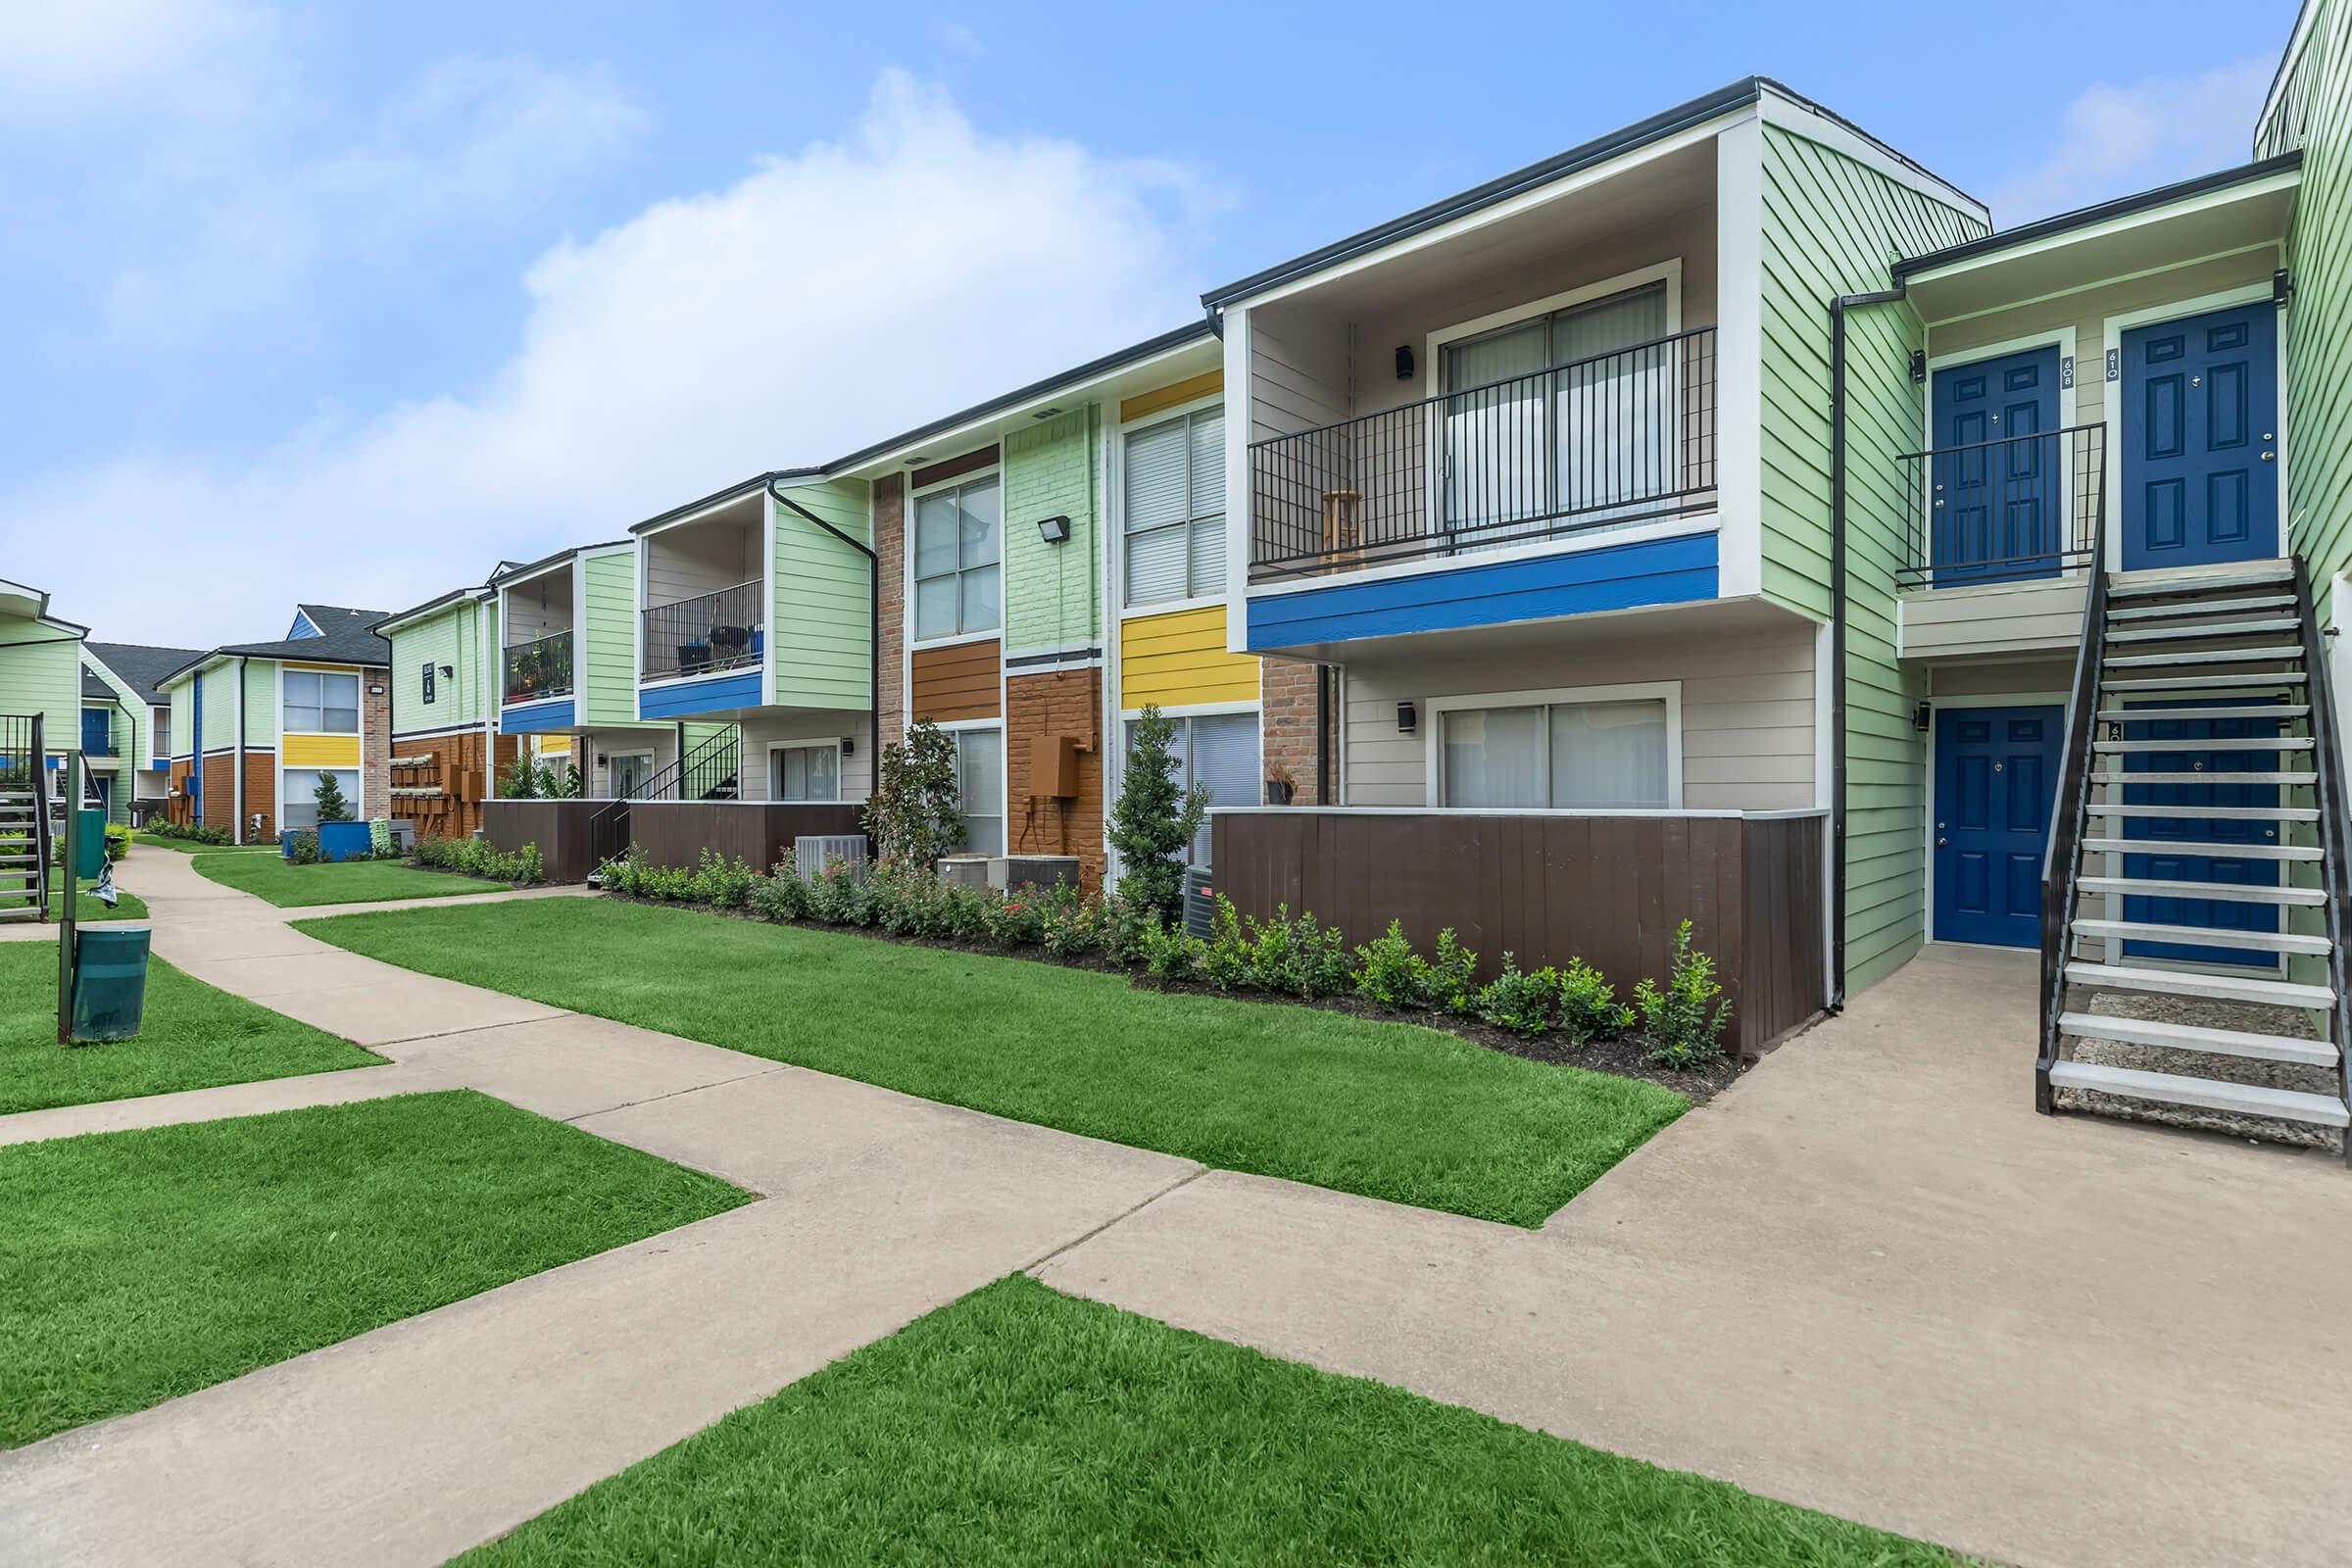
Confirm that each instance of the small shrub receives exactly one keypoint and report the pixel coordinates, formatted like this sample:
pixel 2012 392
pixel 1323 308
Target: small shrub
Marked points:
pixel 1297 958
pixel 523 867
pixel 964 913
pixel 1018 919
pixel 1154 821
pixel 1122 927
pixel 720 882
pixel 118 841
pixel 916 813
pixel 1227 957
pixel 1451 978
pixel 1589 1005
pixel 306 849
pixel 838 896
pixel 1169 954
pixel 1069 925
pixel 1524 1003
pixel 1683 1033
pixel 1390 972
pixel 191 832
pixel 781 895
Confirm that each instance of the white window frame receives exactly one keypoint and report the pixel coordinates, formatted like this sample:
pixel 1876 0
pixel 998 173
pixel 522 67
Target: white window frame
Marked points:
pixel 351 794
pixel 1190 710
pixel 1183 412
pixel 1669 272
pixel 358 705
pixel 1434 749
pixel 833 746
pixel 1004 811
pixel 996 471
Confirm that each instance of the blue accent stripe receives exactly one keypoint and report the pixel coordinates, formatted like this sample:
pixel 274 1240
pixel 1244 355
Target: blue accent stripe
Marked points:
pixel 713 693
pixel 524 718
pixel 1652 571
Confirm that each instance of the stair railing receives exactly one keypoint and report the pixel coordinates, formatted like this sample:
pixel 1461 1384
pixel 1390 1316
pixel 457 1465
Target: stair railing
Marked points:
pixel 2061 866
pixel 608 828
pixel 2334 874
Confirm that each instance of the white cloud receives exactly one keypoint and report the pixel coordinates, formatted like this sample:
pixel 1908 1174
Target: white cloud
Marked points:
pixel 94 59
pixel 2115 140
pixel 831 297
pixel 472 139
pixel 959 36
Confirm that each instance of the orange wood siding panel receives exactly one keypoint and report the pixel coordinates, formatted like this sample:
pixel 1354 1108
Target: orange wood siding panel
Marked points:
pixel 957 682
pixel 1206 384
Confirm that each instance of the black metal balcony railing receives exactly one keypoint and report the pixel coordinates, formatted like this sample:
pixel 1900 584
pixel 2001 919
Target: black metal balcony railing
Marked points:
pixel 539 668
pixel 722 631
pixel 2023 507
pixel 1598 443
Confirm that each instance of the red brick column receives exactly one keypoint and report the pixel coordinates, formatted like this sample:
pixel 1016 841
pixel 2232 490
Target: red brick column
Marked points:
pixel 375 730
pixel 890 560
pixel 1287 722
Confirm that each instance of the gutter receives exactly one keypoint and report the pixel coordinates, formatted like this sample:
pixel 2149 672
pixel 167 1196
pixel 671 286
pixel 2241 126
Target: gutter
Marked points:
pixel 1837 673
pixel 873 621
pixel 236 785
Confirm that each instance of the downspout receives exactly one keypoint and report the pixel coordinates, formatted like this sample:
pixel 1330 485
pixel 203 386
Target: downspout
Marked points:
pixel 873 624
pixel 1837 571
pixel 236 778
pixel 1323 679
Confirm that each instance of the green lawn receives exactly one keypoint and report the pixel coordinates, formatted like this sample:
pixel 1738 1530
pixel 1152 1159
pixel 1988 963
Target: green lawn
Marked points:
pixel 88 910
pixel 292 887
pixel 136 1266
pixel 1020 1426
pixel 1387 1110
pixel 191 846
pixel 192 1036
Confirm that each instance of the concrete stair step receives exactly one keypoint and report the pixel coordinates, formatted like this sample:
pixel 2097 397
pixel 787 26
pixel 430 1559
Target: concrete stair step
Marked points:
pixel 2125 715
pixel 2218 851
pixel 2194 983
pixel 2227 892
pixel 2196 579
pixel 2212 628
pixel 2252 743
pixel 2279 680
pixel 2210 656
pixel 2224 813
pixel 2192 1037
pixel 2291 779
pixel 2206 1094
pixel 2202 936
pixel 2203 607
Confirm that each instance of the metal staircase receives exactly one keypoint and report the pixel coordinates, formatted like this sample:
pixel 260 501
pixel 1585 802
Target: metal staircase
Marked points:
pixel 2192 902
pixel 26 827
pixel 708 772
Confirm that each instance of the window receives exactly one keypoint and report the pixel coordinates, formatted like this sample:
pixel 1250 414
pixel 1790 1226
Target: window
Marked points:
pixel 627 774
pixel 428 680
pixel 1221 752
pixel 1558 755
pixel 1175 511
pixel 163 733
pixel 980 779
pixel 297 794
pixel 803 773
pixel 321 703
pixel 958 543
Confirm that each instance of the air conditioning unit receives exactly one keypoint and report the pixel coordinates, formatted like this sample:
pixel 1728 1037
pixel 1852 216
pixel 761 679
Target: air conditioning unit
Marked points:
pixel 1199 901
pixel 813 852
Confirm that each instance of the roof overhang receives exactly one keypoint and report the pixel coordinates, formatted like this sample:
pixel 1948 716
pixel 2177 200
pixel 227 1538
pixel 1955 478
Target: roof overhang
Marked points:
pixel 17 599
pixel 2224 213
pixel 693 511
pixel 391 623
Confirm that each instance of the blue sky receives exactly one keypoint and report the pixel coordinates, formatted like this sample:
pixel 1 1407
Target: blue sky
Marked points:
pixel 343 303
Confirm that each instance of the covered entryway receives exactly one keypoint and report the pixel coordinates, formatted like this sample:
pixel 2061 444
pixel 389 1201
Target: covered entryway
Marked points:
pixel 2200 417
pixel 1997 773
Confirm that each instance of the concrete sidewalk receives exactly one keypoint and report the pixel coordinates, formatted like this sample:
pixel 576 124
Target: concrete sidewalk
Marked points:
pixel 1868 1278
pixel 417 1440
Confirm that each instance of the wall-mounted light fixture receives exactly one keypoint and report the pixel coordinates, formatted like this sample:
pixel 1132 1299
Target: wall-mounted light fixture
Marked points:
pixel 448 670
pixel 375 691
pixel 1404 362
pixel 1054 530
pixel 848 746
pixel 1406 718
pixel 1920 717
pixel 1919 366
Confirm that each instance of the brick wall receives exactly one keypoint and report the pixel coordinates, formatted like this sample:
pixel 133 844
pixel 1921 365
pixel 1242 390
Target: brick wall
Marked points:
pixel 375 732
pixel 261 792
pixel 459 772
pixel 219 792
pixel 890 551
pixel 1287 722
pixel 1060 703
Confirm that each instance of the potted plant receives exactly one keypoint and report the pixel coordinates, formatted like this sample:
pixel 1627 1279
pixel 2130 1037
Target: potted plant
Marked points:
pixel 1279 785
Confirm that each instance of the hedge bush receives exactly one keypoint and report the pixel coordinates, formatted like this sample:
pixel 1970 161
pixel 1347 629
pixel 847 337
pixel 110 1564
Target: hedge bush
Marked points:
pixel 524 867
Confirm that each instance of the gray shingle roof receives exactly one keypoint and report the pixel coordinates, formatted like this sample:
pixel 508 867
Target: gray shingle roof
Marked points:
pixel 142 665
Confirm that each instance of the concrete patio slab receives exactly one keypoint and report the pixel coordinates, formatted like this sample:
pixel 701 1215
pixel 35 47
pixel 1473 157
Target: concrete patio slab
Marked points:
pixel 1868 1280
pixel 572 1065
pixel 339 1088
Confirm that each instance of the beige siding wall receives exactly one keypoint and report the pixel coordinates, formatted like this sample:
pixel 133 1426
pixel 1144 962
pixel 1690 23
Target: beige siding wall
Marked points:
pixel 1299 375
pixel 2025 678
pixel 2008 618
pixel 789 728
pixel 1746 699
pixel 701 558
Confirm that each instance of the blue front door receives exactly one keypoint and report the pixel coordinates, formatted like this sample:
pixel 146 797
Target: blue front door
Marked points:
pixel 1996 771
pixel 2205 748
pixel 1998 479
pixel 2200 421
pixel 95 732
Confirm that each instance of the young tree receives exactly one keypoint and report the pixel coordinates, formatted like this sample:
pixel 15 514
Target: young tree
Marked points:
pixel 332 807
pixel 916 813
pixel 1152 826
pixel 518 780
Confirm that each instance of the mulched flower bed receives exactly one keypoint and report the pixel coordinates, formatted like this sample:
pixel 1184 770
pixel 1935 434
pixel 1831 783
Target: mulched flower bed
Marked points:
pixel 1624 1057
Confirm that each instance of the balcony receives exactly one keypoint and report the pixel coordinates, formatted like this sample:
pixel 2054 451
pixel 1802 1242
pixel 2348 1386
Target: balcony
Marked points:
pixel 2010 511
pixel 706 633
pixel 536 670
pixel 1581 448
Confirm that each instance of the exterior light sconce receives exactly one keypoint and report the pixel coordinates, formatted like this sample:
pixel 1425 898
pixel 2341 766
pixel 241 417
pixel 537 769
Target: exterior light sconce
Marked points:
pixel 1054 530
pixel 448 670
pixel 1919 366
pixel 375 691
pixel 1406 718
pixel 1404 362
pixel 1920 717
pixel 848 746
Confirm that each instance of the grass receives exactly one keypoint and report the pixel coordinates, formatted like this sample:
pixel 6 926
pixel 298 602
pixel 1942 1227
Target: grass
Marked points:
pixel 137 1266
pixel 88 910
pixel 293 887
pixel 1019 1426
pixel 191 846
pixel 192 1036
pixel 1387 1110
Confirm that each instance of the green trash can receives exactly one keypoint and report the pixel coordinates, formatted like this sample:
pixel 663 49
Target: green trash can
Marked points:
pixel 109 982
pixel 90 856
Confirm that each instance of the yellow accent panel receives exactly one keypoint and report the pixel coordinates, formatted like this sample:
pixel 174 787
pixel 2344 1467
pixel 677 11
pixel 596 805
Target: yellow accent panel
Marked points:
pixel 1180 659
pixel 554 746
pixel 1167 397
pixel 319 750
pixel 323 670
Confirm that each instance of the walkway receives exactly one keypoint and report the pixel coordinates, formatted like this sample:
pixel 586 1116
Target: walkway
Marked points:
pixel 1867 1280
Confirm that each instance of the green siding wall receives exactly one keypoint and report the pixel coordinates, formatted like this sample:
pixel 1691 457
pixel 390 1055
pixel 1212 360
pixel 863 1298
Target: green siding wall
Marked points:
pixel 40 672
pixel 820 642
pixel 261 703
pixel 2318 354
pixel 218 697
pixel 128 722
pixel 605 658
pixel 1052 593
pixel 451 637
pixel 1833 226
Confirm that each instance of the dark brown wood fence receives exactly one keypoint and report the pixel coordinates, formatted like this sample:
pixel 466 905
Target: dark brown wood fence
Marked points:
pixel 558 827
pixel 1609 889
pixel 760 832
